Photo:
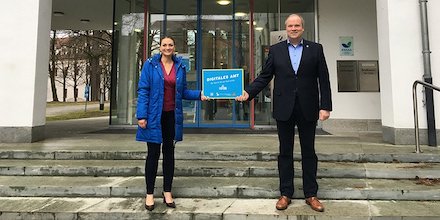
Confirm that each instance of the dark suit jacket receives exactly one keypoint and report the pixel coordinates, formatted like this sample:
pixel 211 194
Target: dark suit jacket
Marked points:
pixel 310 86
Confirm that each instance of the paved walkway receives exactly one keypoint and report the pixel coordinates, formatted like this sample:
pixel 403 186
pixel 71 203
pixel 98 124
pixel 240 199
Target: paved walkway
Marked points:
pixel 94 134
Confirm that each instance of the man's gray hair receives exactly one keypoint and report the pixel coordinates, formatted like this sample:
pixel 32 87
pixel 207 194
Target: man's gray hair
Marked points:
pixel 295 15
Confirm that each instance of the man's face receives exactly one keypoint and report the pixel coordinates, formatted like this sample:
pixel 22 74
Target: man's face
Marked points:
pixel 294 28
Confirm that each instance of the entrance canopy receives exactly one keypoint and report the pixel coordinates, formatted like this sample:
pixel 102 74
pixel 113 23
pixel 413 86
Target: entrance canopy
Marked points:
pixel 82 14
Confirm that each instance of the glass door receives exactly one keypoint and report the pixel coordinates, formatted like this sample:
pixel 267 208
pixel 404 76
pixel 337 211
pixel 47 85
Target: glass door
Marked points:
pixel 269 17
pixel 177 19
pixel 225 45
pixel 181 24
pixel 127 60
pixel 207 36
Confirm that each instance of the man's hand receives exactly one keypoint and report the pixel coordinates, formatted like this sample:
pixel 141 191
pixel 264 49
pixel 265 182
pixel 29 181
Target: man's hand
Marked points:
pixel 324 115
pixel 243 97
pixel 142 123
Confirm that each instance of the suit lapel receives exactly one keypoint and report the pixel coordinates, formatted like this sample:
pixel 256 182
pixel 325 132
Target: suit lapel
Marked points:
pixel 287 55
pixel 305 54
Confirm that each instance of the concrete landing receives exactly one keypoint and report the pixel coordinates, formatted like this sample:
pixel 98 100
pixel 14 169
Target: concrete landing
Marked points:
pixel 218 209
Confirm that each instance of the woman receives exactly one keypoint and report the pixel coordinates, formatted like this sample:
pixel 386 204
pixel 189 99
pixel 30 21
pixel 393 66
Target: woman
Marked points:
pixel 162 86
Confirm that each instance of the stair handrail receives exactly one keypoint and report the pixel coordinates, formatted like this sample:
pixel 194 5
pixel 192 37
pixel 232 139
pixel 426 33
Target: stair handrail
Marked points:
pixel 416 112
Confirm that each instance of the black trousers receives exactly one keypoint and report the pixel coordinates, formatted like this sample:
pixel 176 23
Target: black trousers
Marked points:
pixel 286 134
pixel 151 163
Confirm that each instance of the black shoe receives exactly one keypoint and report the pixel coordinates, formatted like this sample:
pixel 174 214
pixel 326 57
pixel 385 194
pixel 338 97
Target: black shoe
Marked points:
pixel 148 207
pixel 171 205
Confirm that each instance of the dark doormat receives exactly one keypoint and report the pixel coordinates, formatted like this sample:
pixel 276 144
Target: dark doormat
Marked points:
pixel 319 131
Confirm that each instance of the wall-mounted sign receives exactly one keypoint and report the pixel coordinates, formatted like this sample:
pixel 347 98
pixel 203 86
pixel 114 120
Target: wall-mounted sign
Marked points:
pixel 277 36
pixel 347 76
pixel 368 76
pixel 222 83
pixel 358 75
pixel 346 46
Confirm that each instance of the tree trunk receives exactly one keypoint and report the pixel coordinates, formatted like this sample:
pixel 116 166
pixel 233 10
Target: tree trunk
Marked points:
pixel 53 70
pixel 52 74
pixel 75 80
pixel 65 71
pixel 95 78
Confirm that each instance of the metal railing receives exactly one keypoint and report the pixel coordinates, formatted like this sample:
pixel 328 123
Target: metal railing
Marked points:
pixel 416 112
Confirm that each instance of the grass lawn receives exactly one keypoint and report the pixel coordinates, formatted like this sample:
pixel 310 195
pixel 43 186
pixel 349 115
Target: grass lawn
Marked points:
pixel 54 104
pixel 76 114
pixel 79 114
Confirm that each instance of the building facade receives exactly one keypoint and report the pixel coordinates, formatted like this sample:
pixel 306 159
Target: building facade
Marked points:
pixel 373 50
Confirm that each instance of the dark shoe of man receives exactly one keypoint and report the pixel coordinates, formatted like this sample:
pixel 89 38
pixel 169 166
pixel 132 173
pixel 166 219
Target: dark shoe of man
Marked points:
pixel 315 204
pixel 283 202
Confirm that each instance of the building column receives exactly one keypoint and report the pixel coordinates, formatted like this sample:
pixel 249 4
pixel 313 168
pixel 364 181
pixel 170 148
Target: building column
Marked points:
pixel 24 60
pixel 401 63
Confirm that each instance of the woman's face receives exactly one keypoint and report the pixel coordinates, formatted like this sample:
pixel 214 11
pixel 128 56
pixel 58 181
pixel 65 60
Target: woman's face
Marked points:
pixel 167 47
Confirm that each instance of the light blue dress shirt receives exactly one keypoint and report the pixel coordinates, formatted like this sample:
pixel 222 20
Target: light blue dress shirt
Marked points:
pixel 295 53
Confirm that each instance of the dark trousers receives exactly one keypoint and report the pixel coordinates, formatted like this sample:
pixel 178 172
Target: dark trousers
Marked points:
pixel 151 163
pixel 286 134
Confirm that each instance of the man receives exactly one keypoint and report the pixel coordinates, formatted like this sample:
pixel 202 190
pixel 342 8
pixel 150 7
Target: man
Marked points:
pixel 301 96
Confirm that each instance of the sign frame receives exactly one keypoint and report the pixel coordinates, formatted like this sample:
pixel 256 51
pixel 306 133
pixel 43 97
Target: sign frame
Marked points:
pixel 222 83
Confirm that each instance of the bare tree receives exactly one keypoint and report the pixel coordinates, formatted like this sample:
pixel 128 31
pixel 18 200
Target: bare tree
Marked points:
pixel 106 73
pixel 84 57
pixel 65 67
pixel 64 54
pixel 78 76
pixel 52 67
pixel 98 47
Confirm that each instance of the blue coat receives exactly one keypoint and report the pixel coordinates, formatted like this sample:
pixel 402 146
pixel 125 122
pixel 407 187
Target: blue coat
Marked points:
pixel 150 99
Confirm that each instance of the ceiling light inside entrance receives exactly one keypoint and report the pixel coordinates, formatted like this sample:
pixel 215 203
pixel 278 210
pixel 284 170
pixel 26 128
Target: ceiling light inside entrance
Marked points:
pixel 223 2
pixel 58 13
pixel 240 14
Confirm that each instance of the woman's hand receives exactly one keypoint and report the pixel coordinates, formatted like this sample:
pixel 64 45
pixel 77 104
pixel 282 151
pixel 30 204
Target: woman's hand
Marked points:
pixel 142 123
pixel 203 97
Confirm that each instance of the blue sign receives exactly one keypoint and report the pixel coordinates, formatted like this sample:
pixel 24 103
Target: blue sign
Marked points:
pixel 87 92
pixel 222 83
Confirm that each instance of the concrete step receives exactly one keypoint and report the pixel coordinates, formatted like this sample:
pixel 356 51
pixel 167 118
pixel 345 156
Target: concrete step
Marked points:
pixel 215 168
pixel 394 155
pixel 216 209
pixel 217 187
